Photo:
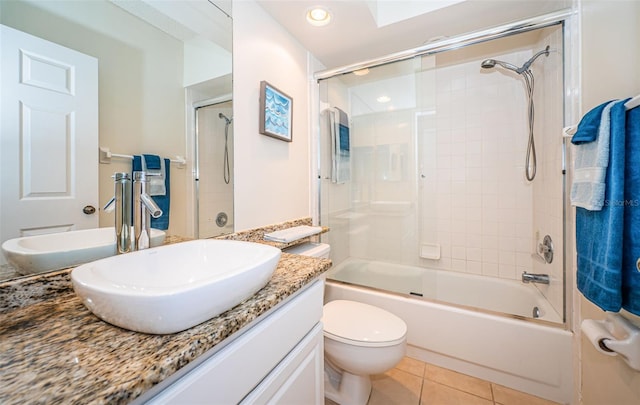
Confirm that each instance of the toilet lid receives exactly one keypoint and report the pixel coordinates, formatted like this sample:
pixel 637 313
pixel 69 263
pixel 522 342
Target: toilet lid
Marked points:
pixel 362 324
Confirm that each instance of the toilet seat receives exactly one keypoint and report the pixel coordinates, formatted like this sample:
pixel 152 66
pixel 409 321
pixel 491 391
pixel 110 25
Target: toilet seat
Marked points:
pixel 362 325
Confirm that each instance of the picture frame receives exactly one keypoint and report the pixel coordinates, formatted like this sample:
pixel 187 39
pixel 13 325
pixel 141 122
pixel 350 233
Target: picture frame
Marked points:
pixel 276 112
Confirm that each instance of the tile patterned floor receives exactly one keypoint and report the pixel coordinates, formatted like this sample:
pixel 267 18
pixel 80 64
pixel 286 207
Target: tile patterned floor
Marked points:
pixel 413 382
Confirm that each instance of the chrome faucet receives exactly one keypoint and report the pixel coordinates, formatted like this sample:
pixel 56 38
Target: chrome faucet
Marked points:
pixel 535 278
pixel 121 201
pixel 143 209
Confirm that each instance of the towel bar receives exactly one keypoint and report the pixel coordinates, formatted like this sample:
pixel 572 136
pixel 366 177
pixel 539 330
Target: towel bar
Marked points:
pixel 106 155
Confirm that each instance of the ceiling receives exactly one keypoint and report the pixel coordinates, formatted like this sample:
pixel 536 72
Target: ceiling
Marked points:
pixel 354 36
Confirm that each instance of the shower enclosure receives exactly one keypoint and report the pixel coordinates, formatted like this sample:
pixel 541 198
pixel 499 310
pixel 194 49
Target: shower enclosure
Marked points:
pixel 214 173
pixel 423 164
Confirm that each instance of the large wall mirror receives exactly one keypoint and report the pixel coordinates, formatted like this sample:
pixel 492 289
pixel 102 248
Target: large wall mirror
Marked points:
pixel 164 87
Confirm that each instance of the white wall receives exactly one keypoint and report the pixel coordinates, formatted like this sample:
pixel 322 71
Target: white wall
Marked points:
pixel 204 60
pixel 609 62
pixel 272 176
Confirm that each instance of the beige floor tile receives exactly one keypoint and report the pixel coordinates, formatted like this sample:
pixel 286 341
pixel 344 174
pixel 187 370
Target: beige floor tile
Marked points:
pixel 413 366
pixel 459 381
pixel 395 387
pixel 508 396
pixel 434 393
pixel 327 401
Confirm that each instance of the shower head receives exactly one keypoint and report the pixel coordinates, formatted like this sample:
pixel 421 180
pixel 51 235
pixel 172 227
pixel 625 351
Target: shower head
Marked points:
pixel 491 63
pixel 227 119
pixel 488 63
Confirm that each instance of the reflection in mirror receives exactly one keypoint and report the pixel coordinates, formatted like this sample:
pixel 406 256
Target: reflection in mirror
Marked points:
pixel 157 63
pixel 214 151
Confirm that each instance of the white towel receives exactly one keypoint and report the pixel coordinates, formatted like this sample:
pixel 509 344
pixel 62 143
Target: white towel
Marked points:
pixel 292 234
pixel 156 184
pixel 590 167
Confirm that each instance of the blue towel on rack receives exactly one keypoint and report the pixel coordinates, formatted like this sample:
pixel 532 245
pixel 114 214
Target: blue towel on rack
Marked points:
pixel 631 234
pixel 591 161
pixel 599 233
pixel 153 162
pixel 589 125
pixel 163 201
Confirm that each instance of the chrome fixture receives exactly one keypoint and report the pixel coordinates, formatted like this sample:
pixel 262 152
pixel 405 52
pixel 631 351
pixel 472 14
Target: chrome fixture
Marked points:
pixel 455 42
pixel 490 63
pixel 143 209
pixel 545 249
pixel 221 219
pixel 121 201
pixel 525 72
pixel 535 278
pixel 226 171
pixel 536 312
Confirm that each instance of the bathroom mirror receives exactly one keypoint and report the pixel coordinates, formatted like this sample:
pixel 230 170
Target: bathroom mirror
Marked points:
pixel 158 61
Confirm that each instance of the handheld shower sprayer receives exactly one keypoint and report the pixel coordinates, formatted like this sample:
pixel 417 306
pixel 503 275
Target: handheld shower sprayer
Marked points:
pixel 525 72
pixel 491 63
pixel 528 63
pixel 225 118
pixel 226 170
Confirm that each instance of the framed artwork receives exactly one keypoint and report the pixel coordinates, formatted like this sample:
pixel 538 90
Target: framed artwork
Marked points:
pixel 276 112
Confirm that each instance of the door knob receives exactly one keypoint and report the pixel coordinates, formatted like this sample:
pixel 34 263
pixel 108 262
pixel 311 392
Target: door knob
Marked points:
pixel 89 209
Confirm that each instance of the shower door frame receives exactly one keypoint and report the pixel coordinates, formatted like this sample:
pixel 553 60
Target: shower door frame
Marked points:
pixel 196 156
pixel 569 20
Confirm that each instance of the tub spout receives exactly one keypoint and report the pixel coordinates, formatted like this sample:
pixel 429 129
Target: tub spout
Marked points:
pixel 535 278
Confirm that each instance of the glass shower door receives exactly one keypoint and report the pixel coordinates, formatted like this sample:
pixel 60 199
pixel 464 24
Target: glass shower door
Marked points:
pixel 214 179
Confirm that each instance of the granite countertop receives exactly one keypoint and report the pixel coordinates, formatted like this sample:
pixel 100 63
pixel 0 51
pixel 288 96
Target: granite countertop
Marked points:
pixel 53 350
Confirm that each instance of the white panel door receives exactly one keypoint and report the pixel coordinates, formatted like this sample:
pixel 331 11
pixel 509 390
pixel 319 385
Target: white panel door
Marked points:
pixel 48 138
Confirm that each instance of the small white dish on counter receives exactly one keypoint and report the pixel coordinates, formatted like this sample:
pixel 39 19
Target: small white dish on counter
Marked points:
pixel 61 250
pixel 171 288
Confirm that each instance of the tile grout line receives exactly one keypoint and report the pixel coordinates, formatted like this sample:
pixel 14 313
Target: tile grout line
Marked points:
pixel 493 396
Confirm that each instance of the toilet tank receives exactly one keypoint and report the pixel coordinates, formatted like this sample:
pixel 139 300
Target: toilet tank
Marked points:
pixel 310 249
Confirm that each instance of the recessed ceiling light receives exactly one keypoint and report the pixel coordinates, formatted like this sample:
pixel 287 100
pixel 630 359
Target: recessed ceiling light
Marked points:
pixel 383 99
pixel 361 72
pixel 318 16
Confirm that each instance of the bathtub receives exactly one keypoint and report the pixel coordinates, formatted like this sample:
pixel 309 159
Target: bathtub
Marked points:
pixel 526 355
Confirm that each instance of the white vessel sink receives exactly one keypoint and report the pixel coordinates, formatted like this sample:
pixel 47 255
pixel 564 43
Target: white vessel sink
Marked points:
pixel 60 250
pixel 174 287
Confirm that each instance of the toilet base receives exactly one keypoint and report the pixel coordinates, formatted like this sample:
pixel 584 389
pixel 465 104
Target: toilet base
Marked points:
pixel 345 388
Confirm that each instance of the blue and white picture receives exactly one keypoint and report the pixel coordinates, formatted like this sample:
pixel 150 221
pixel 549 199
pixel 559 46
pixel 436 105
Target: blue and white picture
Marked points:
pixel 275 112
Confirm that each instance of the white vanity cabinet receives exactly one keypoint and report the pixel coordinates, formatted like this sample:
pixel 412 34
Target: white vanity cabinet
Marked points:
pixel 278 360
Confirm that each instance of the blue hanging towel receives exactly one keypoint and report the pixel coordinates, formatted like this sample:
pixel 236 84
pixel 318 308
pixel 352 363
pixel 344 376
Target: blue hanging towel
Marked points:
pixel 599 234
pixel 631 245
pixel 163 201
pixel 589 125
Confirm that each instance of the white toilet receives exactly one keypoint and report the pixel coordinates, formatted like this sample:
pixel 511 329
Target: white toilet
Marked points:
pixel 359 340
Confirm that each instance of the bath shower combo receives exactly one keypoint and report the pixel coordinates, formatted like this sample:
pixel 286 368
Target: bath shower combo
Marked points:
pixel 525 71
